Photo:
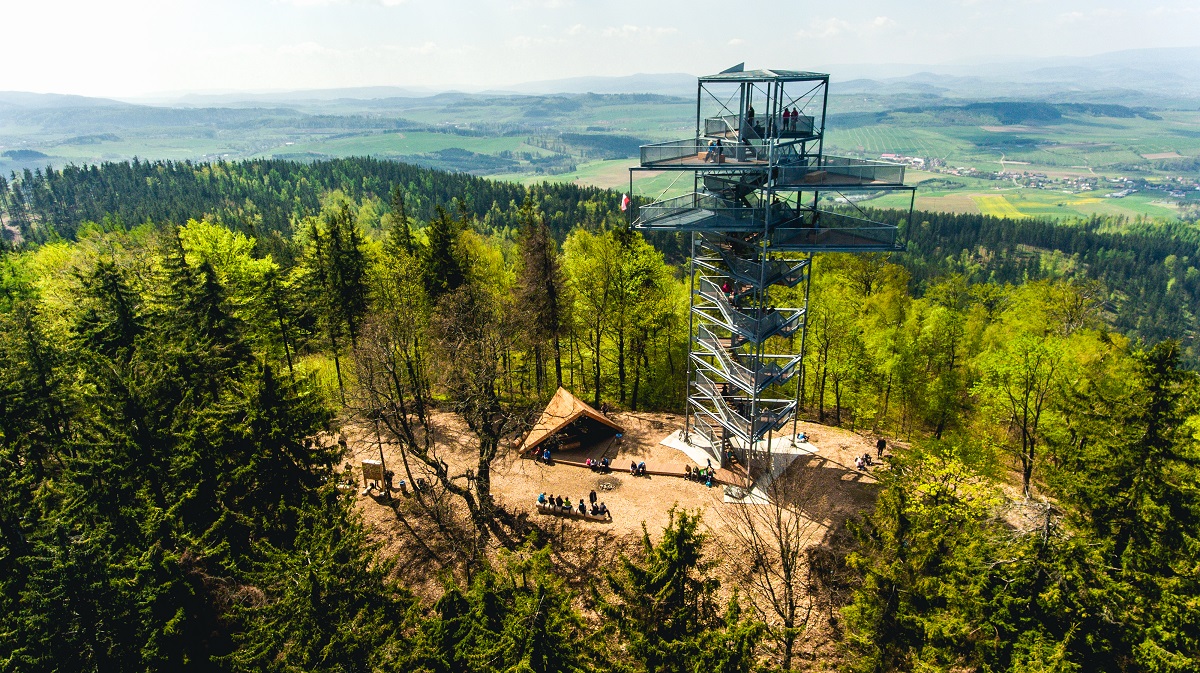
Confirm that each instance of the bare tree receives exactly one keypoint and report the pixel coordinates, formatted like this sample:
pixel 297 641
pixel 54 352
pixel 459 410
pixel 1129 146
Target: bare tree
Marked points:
pixel 391 395
pixel 471 337
pixel 767 544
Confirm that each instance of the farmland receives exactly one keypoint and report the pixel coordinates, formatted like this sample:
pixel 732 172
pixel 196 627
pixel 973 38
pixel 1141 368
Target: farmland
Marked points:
pixel 1013 159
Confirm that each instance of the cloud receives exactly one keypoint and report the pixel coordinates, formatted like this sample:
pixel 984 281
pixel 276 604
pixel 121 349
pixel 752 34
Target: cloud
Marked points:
pixel 737 41
pixel 306 49
pixel 328 3
pixel 628 30
pixel 1100 13
pixel 824 29
pixel 540 4
pixel 424 49
pixel 1171 11
pixel 525 41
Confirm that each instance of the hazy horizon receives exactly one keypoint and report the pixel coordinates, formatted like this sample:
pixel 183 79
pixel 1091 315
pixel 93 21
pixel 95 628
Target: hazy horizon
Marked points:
pixel 139 48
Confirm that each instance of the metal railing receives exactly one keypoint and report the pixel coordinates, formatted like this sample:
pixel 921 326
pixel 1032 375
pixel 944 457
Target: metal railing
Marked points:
pixel 659 210
pixel 785 272
pixel 733 214
pixel 696 151
pixel 842 172
pixel 771 416
pixel 748 380
pixel 825 230
pixel 760 127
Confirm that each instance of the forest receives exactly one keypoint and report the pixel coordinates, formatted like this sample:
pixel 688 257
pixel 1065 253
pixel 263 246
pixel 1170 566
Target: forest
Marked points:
pixel 181 345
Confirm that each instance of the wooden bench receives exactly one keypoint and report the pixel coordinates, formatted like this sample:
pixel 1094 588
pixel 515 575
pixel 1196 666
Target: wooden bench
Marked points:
pixel 572 513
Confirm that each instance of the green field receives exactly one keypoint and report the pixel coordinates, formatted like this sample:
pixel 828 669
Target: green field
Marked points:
pixel 592 139
pixel 983 196
pixel 402 144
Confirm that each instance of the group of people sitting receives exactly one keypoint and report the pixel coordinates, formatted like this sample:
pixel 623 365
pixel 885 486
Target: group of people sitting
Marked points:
pixel 716 151
pixel 864 461
pixel 601 465
pixel 637 468
pixel 704 474
pixel 563 505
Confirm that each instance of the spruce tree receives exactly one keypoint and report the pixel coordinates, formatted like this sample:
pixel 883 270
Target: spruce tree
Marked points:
pixel 445 271
pixel 540 288
pixel 399 235
pixel 664 605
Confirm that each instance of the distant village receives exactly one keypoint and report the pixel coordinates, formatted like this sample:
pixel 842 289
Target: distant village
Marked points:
pixel 1113 187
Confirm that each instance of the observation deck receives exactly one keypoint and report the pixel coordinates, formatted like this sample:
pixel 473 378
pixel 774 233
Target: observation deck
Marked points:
pixel 790 168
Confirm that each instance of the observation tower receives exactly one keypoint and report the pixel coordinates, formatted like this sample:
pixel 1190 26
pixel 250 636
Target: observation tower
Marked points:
pixel 756 217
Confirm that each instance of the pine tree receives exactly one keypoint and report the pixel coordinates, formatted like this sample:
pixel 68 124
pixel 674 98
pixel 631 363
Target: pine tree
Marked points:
pixel 399 235
pixel 347 268
pixel 663 605
pixel 444 268
pixel 111 320
pixel 540 289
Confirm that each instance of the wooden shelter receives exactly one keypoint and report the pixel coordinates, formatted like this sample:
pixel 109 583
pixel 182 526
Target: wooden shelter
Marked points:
pixel 568 422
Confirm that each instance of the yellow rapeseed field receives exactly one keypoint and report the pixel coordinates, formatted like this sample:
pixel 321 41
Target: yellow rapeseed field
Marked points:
pixel 997 206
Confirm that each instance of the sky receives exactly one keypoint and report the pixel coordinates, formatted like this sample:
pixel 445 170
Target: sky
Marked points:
pixel 129 48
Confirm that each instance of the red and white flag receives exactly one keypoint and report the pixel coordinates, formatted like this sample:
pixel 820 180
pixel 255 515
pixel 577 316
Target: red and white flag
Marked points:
pixel 624 202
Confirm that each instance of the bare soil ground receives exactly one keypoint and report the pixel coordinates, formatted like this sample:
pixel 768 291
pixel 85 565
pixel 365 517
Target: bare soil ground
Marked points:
pixel 1163 155
pixel 633 501
pixel 410 539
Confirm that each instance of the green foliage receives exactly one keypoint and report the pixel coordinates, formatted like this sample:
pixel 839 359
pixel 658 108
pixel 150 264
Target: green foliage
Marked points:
pixel 1107 584
pixel 626 301
pixel 163 503
pixel 445 262
pixel 323 602
pixel 148 463
pixel 663 606
pixel 518 618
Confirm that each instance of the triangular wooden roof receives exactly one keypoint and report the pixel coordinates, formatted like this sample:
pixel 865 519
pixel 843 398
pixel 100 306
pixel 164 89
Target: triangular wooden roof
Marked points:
pixel 563 409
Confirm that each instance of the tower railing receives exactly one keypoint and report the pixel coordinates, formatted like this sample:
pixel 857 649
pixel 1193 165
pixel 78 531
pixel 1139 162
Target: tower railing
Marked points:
pixel 841 171
pixel 733 125
pixel 694 152
pixel 771 415
pixel 727 208
pixel 788 273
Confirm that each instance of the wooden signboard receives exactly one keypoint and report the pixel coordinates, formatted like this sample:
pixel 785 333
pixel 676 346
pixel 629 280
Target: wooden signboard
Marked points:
pixel 372 471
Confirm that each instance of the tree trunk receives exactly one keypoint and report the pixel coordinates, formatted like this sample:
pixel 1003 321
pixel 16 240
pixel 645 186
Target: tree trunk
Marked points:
pixel 637 378
pixel 621 365
pixel 557 361
pixel 596 378
pixel 337 367
pixel 821 396
pixel 539 365
pixel 837 401
pixel 887 395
